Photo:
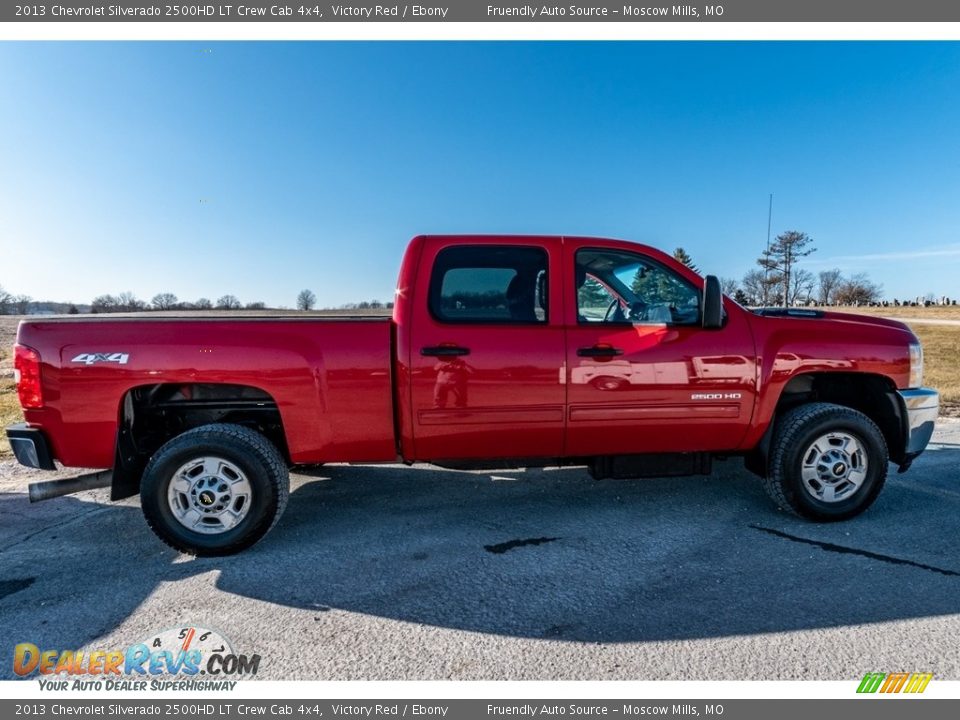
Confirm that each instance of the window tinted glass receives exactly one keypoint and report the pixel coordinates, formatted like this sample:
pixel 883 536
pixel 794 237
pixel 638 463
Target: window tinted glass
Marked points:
pixel 593 300
pixel 489 283
pixel 620 287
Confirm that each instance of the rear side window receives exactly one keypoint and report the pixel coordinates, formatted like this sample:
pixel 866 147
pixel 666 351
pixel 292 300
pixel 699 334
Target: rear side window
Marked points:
pixel 490 284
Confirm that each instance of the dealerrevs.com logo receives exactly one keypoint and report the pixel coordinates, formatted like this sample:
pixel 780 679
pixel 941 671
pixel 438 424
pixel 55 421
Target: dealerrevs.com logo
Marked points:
pixel 183 658
pixel 899 682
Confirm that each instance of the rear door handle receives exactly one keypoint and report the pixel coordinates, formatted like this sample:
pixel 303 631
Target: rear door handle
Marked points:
pixel 599 351
pixel 444 351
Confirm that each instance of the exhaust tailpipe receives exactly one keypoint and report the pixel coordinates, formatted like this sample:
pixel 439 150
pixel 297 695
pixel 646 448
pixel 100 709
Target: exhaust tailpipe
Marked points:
pixel 55 488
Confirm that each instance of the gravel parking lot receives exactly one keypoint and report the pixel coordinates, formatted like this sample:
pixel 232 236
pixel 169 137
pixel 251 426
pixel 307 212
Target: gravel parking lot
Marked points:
pixel 421 573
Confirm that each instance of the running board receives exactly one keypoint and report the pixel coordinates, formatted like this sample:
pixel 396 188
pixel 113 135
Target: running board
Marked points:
pixel 48 489
pixel 621 467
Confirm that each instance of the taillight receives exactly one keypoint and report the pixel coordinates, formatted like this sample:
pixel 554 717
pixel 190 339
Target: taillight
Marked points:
pixel 26 373
pixel 916 365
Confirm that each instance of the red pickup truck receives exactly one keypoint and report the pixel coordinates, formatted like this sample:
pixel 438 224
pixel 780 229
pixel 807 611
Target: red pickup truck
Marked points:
pixel 527 350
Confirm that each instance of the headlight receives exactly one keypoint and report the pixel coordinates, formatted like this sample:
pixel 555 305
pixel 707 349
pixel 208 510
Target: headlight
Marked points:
pixel 916 365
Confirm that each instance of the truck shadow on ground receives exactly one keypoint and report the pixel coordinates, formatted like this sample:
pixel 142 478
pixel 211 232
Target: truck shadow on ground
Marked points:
pixel 538 554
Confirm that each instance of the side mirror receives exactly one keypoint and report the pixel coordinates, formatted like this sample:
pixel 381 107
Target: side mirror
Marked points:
pixel 712 303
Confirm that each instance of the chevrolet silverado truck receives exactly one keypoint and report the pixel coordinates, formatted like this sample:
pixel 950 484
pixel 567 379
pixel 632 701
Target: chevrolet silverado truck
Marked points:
pixel 528 351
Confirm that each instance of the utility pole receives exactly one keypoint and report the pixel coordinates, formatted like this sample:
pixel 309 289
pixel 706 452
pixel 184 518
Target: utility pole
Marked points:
pixel 787 268
pixel 766 270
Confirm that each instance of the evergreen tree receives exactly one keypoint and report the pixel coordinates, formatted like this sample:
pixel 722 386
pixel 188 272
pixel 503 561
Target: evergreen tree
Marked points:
pixel 778 260
pixel 654 286
pixel 682 256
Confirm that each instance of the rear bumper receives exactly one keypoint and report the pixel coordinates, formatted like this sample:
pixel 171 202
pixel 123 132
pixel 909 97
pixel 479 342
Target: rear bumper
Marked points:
pixel 30 447
pixel 921 407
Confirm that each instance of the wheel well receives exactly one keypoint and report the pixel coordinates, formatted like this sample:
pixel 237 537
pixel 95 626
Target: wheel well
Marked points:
pixel 150 415
pixel 873 395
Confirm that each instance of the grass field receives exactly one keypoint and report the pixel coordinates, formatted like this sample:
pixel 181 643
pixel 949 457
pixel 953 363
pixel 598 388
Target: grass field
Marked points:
pixel 945 312
pixel 941 353
pixel 941 346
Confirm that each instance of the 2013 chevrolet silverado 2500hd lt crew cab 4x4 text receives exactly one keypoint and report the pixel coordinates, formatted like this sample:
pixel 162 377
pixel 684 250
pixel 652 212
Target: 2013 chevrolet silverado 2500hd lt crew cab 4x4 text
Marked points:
pixel 532 350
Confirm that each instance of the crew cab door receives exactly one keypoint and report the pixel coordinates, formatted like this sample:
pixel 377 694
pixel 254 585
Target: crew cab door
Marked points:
pixel 643 375
pixel 487 347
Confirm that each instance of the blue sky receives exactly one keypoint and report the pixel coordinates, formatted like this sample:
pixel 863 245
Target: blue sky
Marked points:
pixel 259 169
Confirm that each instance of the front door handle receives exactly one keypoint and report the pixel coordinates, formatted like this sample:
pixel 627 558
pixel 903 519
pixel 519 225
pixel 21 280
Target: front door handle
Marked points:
pixel 599 351
pixel 444 351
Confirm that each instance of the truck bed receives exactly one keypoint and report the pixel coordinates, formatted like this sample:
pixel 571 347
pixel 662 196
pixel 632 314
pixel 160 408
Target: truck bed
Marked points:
pixel 330 377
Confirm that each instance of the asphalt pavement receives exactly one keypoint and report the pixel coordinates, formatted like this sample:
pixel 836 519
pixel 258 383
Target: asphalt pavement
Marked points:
pixel 389 572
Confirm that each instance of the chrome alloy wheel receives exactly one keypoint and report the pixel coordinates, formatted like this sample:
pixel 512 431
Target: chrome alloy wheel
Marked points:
pixel 209 495
pixel 834 467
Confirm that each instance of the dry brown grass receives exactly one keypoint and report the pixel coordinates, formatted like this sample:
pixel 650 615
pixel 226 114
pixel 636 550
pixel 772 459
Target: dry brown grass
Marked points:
pixel 941 353
pixel 935 312
pixel 9 411
pixel 9 407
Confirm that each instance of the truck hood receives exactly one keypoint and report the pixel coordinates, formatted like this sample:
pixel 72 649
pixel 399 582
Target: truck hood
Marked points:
pixel 814 314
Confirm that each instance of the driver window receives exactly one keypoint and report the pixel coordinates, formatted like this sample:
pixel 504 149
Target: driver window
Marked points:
pixel 621 287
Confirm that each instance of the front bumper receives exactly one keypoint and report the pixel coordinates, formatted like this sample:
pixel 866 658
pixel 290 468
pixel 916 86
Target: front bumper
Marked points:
pixel 30 447
pixel 920 409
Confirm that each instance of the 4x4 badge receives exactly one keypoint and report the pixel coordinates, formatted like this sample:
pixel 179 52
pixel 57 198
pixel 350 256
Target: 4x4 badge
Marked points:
pixel 91 358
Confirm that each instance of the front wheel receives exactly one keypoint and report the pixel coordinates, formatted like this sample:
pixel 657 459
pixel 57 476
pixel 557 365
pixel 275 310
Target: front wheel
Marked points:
pixel 214 490
pixel 827 462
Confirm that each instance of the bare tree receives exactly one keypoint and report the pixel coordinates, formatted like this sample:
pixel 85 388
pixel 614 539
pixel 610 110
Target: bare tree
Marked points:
pixel 858 290
pixel 203 304
pixel 21 303
pixel 5 300
pixel 778 260
pixel 128 302
pixel 256 305
pixel 73 310
pixel 829 282
pixel 164 301
pixel 729 286
pixel 801 287
pixel 228 302
pixel 104 304
pixel 756 285
pixel 306 300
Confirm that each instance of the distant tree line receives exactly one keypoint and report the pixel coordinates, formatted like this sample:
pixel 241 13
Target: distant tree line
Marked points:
pixel 778 281
pixel 14 304
pixel 307 300
pixel 363 305
pixel 368 305
pixel 128 302
pixel 830 287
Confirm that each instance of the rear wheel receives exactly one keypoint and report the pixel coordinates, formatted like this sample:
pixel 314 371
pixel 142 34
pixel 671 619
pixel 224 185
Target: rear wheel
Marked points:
pixel 214 490
pixel 827 462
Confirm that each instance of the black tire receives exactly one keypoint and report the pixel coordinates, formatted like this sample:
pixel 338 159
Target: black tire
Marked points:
pixel 244 452
pixel 794 439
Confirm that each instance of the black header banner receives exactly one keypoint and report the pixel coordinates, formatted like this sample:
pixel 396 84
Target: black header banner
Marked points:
pixel 893 11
